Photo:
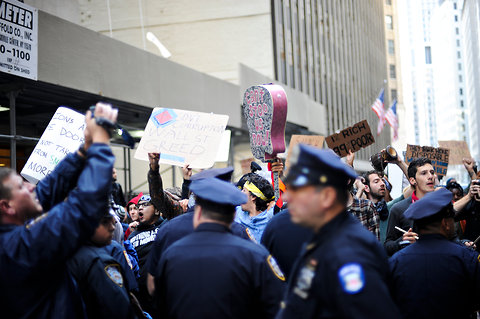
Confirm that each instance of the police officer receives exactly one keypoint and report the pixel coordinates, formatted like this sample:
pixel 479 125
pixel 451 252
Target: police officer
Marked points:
pixel 34 278
pixel 343 270
pixel 102 278
pixel 284 240
pixel 213 274
pixel 435 277
pixel 182 225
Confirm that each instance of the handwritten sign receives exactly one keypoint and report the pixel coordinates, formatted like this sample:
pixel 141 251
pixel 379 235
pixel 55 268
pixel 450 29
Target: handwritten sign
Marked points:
pixel 439 157
pixel 63 135
pixel 313 140
pixel 265 109
pixel 182 137
pixel 458 151
pixel 352 138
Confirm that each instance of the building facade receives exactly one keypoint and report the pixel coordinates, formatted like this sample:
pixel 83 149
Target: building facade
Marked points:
pixel 470 28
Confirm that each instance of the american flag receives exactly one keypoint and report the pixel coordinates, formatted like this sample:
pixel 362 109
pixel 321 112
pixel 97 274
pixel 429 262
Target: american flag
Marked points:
pixel 378 108
pixel 392 119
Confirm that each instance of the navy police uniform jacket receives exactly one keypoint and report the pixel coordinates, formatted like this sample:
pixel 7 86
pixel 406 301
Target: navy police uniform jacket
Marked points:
pixel 213 274
pixel 436 278
pixel 175 229
pixel 284 240
pixel 102 282
pixel 342 273
pixel 34 278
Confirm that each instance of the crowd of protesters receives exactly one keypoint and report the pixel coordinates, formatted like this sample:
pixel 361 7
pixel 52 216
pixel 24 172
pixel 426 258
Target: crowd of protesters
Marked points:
pixel 339 247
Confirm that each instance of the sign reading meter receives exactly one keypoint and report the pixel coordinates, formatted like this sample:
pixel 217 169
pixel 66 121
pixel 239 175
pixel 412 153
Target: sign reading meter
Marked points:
pixel 18 39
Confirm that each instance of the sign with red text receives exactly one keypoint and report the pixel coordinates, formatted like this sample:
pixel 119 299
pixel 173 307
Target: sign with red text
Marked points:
pixel 438 155
pixel 18 39
pixel 265 110
pixel 63 135
pixel 352 138
pixel 182 137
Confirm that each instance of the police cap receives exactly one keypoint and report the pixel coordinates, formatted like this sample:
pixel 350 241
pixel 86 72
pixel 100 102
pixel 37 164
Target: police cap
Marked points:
pixel 429 205
pixel 313 166
pixel 221 173
pixel 217 191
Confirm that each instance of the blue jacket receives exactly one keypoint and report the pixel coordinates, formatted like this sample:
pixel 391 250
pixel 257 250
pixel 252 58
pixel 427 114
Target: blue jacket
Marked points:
pixel 284 240
pixel 102 281
pixel 342 273
pixel 436 278
pixel 34 278
pixel 175 229
pixel 213 274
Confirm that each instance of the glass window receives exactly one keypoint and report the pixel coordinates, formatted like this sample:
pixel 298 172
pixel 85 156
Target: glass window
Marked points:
pixel 388 2
pixel 393 94
pixel 461 91
pixel 459 67
pixel 461 103
pixel 391 47
pixel 458 54
pixel 457 31
pixel 393 73
pixel 454 6
pixel 389 22
pixel 460 79
pixel 456 18
pixel 428 55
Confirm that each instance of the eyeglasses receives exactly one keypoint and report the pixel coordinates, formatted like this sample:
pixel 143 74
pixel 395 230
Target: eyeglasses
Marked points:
pixel 144 204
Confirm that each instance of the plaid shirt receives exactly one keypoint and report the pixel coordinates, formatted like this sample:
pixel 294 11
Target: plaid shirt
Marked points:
pixel 366 213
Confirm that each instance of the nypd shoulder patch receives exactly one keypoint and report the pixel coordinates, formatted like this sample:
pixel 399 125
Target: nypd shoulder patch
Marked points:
pixel 250 235
pixel 113 272
pixel 275 268
pixel 351 278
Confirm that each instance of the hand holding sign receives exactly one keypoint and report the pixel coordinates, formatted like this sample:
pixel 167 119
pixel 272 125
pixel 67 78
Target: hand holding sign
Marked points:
pixel 182 137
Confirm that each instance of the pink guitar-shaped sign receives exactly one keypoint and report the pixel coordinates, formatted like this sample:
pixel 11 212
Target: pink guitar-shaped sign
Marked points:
pixel 265 109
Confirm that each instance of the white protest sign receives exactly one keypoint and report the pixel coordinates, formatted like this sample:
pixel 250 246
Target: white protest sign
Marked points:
pixel 182 137
pixel 224 148
pixel 63 135
pixel 18 39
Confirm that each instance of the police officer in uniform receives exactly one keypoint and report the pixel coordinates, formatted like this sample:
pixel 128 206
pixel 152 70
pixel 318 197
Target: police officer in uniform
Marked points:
pixel 435 277
pixel 182 225
pixel 284 240
pixel 101 277
pixel 34 278
pixel 342 272
pixel 213 274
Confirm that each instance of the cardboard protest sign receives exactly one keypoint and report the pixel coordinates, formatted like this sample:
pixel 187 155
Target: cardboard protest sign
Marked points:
pixel 182 137
pixel 458 151
pixel 352 138
pixel 438 156
pixel 63 135
pixel 265 109
pixel 313 140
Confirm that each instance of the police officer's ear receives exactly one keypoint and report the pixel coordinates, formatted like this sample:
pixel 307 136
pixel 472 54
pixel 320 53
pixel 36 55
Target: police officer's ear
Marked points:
pixel 327 197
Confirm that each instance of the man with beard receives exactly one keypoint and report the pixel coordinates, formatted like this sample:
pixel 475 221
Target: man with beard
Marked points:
pixel 435 277
pixel 375 190
pixel 422 178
